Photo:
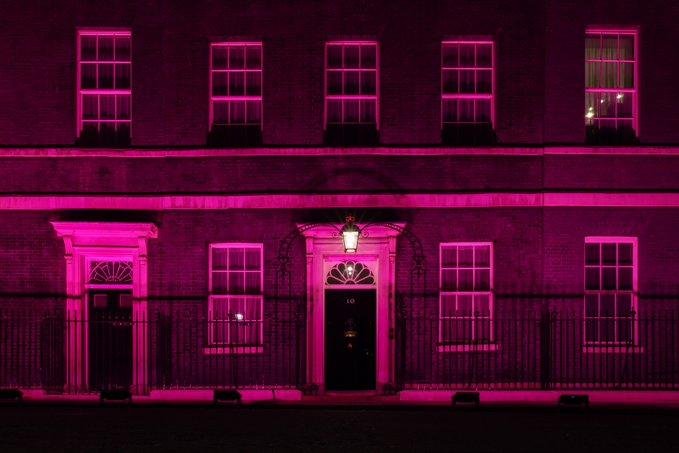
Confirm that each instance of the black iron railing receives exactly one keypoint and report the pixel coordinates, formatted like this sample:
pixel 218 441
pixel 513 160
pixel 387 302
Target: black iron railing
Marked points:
pixel 535 348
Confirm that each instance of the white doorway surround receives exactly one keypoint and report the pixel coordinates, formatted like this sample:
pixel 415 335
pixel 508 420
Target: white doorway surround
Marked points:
pixel 90 242
pixel 377 251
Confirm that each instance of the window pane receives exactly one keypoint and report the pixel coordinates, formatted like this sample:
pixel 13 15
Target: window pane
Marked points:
pixel 467 84
pixel 607 330
pixel 592 278
pixel 219 55
pixel 236 57
pixel 88 48
pixel 465 280
pixel 610 47
pixel 236 259
pixel 450 81
pixel 253 57
pixel 449 107
pixel 484 54
pixel 625 256
pixel 482 256
pixel 625 305
pixel 625 278
pixel 254 83
pixel 122 76
pixel 351 56
pixel 466 256
pixel 368 111
pixel 236 112
pixel 90 107
pixel 252 282
pixel 609 278
pixel 607 305
pixel 368 56
pixel 105 48
pixel 219 282
pixel 448 279
pixel 219 84
pixel 368 82
pixel 626 47
pixel 448 256
pixel 465 112
pixel 591 305
pixel 482 282
pixel 592 254
pixel 334 81
pixel 334 56
pixel 464 305
pixel 105 76
pixel 122 48
pixel 123 107
pixel 482 305
pixel 467 59
pixel 351 111
pixel 236 283
pixel 351 82
pixel 334 111
pixel 450 55
pixel 624 105
pixel 592 47
pixel 625 331
pixel 448 305
pixel 219 256
pixel 253 259
pixel 592 71
pixel 482 111
pixel 88 75
pixel 591 333
pixel 236 84
pixel 608 252
pixel 484 83
pixel 107 107
pixel 626 75
pixel 221 112
pixel 254 112
pixel 610 76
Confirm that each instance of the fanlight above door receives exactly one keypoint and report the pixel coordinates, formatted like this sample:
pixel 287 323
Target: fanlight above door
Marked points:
pixel 350 273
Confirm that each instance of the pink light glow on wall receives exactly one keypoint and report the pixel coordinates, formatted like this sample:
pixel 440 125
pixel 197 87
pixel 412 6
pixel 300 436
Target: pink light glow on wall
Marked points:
pixel 352 83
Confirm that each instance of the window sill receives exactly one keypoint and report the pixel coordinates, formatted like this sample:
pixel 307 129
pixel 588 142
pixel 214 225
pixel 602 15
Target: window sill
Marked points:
pixel 232 350
pixel 488 347
pixel 613 349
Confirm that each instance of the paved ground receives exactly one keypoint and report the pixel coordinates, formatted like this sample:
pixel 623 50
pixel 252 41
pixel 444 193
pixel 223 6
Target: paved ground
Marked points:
pixel 59 428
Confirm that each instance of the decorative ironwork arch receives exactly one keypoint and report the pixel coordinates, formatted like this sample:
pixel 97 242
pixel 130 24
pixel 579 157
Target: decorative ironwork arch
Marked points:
pixel 350 273
pixel 110 272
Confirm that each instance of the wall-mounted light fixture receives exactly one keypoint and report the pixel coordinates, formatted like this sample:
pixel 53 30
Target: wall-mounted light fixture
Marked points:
pixel 350 234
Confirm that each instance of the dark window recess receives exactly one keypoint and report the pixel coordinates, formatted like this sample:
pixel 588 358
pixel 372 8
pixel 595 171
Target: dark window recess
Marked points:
pixel 352 135
pixel 468 134
pixel 235 135
pixel 622 135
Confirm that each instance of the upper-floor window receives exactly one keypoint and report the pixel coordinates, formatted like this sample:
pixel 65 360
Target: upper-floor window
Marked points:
pixel 466 293
pixel 352 88
pixel 467 91
pixel 611 110
pixel 235 306
pixel 610 290
pixel 104 93
pixel 236 91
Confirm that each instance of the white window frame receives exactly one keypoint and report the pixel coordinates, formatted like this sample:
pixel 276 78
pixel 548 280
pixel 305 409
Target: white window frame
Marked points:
pixel 471 344
pixel 351 97
pixel 82 92
pixel 244 98
pixel 611 346
pixel 229 347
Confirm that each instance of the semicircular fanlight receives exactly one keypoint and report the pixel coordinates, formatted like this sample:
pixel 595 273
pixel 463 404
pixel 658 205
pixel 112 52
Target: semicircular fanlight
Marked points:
pixel 350 273
pixel 110 272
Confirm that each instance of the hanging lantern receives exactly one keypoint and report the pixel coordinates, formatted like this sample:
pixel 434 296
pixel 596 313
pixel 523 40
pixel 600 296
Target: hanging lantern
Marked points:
pixel 350 233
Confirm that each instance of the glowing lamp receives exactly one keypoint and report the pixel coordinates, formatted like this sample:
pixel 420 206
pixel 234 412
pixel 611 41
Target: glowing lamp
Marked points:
pixel 350 233
pixel 238 316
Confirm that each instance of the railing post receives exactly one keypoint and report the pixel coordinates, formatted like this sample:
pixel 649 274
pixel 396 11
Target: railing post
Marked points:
pixel 546 325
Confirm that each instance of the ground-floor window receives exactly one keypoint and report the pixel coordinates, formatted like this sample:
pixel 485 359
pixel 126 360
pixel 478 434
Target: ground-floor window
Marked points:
pixel 610 290
pixel 466 293
pixel 235 306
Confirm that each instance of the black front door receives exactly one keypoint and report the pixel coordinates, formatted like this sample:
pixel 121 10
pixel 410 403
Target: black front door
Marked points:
pixel 350 339
pixel 110 339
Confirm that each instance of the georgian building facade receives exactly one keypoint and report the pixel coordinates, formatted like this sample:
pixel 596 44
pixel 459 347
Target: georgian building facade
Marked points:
pixel 183 186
